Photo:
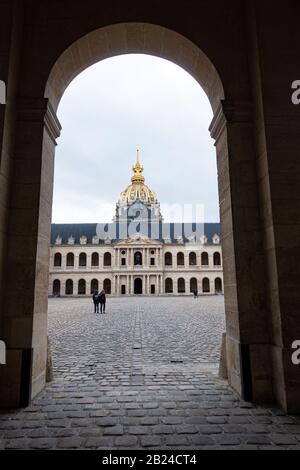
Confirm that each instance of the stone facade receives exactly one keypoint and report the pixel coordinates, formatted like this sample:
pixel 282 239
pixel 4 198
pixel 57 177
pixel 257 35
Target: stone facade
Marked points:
pixel 244 55
pixel 137 254
pixel 79 270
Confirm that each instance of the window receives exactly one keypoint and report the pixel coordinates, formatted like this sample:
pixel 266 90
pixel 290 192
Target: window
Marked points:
pixel 107 259
pixel 180 259
pixel 107 286
pixel 82 260
pixel 70 260
pixel 95 260
pixel 217 259
pixel 69 287
pixel 152 261
pixel 57 260
pixel 123 261
pixel 218 285
pixel 192 259
pixel 193 285
pixel 81 287
pixel 138 259
pixel 169 286
pixel 56 287
pixel 168 259
pixel 205 285
pixel 94 286
pixel 181 285
pixel 204 259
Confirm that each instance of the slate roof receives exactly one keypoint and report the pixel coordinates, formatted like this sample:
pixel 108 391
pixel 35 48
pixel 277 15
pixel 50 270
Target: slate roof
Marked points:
pixel 90 230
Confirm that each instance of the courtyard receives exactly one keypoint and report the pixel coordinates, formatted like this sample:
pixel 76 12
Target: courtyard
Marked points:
pixel 144 375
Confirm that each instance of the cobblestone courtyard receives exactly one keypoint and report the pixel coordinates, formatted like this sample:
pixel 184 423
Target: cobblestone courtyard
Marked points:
pixel 144 375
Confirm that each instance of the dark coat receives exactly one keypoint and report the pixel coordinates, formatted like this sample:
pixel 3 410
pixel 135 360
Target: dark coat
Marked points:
pixel 102 298
pixel 96 298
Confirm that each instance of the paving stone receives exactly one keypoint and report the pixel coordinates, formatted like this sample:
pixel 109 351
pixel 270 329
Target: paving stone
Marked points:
pixel 114 431
pixel 70 443
pixel 126 441
pixel 176 440
pixel 107 395
pixel 283 439
pixel 151 441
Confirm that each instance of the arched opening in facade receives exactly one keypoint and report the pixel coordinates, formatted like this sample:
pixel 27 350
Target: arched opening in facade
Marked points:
pixel 169 285
pixel 239 130
pixel 218 285
pixel 205 285
pixel 95 260
pixel 107 286
pixel 217 259
pixel 192 259
pixel 82 260
pixel 69 287
pixel 107 259
pixel 56 288
pixel 138 258
pixel 57 260
pixel 181 286
pixel 180 259
pixel 82 287
pixel 138 286
pixel 204 259
pixel 94 286
pixel 70 260
pixel 193 285
pixel 168 259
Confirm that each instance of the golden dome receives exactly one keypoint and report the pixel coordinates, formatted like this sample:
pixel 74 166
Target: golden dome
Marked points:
pixel 138 190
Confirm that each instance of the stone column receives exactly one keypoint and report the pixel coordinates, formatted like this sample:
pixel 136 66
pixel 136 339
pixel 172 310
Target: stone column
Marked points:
pixel 63 287
pixel 244 280
pixel 277 123
pixel 27 268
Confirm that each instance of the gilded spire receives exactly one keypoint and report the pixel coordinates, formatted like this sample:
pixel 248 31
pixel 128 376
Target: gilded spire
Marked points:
pixel 138 169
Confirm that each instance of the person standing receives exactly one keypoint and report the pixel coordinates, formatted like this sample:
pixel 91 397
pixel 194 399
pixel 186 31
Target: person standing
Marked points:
pixel 102 300
pixel 96 302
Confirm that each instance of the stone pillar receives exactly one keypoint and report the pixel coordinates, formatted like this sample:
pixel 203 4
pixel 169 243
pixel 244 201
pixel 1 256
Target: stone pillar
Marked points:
pixel 277 123
pixel 27 269
pixel 88 261
pixel 63 262
pixel 247 338
pixel 62 287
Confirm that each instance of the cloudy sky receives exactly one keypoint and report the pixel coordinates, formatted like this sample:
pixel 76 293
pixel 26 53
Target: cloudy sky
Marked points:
pixel 117 106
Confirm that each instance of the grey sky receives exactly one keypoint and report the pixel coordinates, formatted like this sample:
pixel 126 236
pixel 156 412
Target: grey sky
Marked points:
pixel 117 106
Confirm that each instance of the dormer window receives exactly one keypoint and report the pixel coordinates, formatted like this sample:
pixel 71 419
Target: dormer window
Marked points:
pixel 216 239
pixel 58 240
pixel 83 240
pixel 71 240
pixel 95 240
pixel 203 239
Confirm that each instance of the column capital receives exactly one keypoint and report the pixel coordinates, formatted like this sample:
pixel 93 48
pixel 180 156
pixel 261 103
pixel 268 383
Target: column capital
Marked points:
pixel 40 110
pixel 234 112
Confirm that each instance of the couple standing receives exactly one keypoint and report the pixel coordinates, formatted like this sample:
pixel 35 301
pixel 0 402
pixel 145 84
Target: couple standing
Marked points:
pixel 99 299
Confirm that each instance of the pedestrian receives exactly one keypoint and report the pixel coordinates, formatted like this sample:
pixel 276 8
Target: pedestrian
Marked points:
pixel 102 300
pixel 195 294
pixel 96 301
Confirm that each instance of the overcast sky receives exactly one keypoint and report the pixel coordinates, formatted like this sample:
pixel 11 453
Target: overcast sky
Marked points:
pixel 119 105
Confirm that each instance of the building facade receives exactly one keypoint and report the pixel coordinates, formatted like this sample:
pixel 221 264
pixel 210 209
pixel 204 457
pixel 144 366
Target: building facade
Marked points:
pixel 136 254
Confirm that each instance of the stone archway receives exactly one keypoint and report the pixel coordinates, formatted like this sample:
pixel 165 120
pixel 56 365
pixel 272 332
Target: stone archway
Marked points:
pixel 138 286
pixel 257 355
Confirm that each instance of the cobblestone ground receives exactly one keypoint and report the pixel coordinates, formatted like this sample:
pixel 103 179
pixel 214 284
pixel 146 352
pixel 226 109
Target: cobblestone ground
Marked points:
pixel 144 375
